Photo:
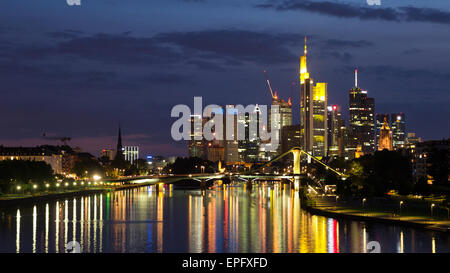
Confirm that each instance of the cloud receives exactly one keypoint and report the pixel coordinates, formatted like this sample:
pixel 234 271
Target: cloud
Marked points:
pixel 65 34
pixel 395 72
pixel 346 10
pixel 167 78
pixel 235 46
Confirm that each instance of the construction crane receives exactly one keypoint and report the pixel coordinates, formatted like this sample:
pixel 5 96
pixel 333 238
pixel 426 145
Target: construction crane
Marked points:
pixel 63 139
pixel 274 96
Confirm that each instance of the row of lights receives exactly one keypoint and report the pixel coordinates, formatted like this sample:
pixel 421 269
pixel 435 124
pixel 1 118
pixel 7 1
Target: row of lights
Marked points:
pixel 59 184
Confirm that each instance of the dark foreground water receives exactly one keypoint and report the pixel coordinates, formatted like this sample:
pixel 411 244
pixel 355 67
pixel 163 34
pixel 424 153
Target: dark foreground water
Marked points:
pixel 224 219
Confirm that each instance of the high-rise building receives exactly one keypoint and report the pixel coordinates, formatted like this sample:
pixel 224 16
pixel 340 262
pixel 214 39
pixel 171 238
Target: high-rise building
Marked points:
pixel 196 146
pixel 283 118
pixel 335 124
pixel 131 153
pixel 361 121
pixel 398 125
pixel 249 147
pixel 385 139
pixel 231 147
pixel 313 112
pixel 290 137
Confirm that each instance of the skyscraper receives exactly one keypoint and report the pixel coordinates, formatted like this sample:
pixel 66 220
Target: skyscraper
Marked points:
pixel 361 117
pixel 398 125
pixel 196 146
pixel 283 118
pixel 313 112
pixel 335 123
pixel 249 147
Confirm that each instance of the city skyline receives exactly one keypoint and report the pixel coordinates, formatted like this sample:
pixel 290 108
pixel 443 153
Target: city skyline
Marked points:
pixel 404 74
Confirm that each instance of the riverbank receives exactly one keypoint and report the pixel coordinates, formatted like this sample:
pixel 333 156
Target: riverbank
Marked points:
pixel 329 209
pixel 26 200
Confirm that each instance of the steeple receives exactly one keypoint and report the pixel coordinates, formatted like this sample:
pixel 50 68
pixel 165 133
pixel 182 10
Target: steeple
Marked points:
pixel 119 152
pixel 119 141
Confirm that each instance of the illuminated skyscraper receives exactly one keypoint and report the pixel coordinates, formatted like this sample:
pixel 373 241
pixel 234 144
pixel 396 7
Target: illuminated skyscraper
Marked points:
pixel 231 147
pixel 249 147
pixel 398 125
pixel 283 118
pixel 361 117
pixel 197 144
pixel 313 112
pixel 335 124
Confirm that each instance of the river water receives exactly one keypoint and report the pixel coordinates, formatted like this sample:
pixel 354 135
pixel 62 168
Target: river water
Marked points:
pixel 226 218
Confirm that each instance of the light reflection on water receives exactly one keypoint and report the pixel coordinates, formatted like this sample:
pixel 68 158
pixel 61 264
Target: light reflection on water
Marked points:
pixel 223 219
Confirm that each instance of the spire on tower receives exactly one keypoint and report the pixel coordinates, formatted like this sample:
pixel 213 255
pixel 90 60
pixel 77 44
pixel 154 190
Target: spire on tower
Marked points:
pixel 356 77
pixel 303 70
pixel 306 51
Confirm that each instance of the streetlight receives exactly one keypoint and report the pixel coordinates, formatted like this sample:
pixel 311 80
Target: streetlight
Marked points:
pixel 432 206
pixel 401 203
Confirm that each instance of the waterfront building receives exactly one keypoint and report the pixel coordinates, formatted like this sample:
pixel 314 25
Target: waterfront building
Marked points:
pixel 313 112
pixel 131 153
pixel 361 121
pixel 40 153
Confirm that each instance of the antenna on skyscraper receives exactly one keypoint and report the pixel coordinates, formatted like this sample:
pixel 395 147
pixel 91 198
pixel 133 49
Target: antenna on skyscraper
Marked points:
pixel 356 77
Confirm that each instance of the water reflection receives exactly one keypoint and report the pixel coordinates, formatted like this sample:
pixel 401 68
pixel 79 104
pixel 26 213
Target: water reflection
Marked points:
pixel 227 218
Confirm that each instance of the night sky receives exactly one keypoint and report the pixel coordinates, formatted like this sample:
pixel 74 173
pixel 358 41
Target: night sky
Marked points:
pixel 79 71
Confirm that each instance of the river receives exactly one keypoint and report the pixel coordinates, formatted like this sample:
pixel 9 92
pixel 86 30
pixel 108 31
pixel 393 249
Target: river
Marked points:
pixel 223 219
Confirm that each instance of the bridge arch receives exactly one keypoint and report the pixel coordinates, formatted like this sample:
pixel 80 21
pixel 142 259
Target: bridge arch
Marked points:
pixel 297 152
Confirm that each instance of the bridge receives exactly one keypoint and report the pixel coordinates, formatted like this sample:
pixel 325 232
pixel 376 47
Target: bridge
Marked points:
pixel 249 177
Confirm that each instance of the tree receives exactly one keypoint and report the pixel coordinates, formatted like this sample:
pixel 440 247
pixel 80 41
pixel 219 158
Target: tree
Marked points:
pixel 14 172
pixel 88 167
